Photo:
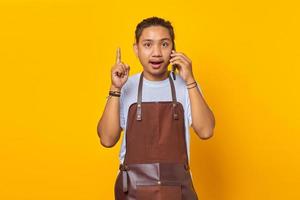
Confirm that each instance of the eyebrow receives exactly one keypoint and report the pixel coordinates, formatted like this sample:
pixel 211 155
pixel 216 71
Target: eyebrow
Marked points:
pixel 153 40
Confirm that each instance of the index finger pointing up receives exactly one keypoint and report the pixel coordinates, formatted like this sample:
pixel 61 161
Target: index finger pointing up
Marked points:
pixel 118 56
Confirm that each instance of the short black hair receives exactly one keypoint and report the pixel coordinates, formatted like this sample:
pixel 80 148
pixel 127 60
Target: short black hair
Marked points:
pixel 153 21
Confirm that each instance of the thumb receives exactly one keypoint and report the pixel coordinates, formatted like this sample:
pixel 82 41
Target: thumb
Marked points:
pixel 127 67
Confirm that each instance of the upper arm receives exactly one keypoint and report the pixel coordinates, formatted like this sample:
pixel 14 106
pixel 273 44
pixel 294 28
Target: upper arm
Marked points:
pixel 188 105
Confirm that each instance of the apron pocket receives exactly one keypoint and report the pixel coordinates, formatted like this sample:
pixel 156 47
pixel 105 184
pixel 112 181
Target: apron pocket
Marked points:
pixel 158 191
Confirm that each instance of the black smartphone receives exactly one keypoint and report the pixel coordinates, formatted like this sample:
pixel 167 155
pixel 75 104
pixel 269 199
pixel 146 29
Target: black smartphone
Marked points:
pixel 173 66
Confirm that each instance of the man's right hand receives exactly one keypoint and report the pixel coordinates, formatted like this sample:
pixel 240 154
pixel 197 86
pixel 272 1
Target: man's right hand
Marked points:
pixel 119 72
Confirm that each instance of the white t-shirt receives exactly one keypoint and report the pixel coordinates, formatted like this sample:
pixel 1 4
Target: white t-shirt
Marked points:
pixel 154 91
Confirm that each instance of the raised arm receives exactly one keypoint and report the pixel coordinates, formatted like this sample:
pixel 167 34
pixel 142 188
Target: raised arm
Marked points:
pixel 108 128
pixel 203 121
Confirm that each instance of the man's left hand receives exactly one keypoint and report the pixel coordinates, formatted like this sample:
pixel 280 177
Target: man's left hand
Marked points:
pixel 184 65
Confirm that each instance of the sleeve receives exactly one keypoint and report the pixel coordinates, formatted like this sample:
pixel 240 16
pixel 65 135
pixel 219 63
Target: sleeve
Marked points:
pixel 188 104
pixel 122 117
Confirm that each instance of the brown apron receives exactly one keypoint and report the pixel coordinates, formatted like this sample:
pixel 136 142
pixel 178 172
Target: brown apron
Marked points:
pixel 156 162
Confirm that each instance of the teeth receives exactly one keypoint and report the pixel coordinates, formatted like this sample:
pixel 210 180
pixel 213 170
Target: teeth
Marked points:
pixel 156 62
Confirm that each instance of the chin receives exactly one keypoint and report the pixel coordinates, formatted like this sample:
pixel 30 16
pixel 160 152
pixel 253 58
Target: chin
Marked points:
pixel 158 72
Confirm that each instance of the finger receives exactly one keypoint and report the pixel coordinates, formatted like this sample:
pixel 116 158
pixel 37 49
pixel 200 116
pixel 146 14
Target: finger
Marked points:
pixel 179 64
pixel 187 58
pixel 126 74
pixel 127 68
pixel 172 60
pixel 119 69
pixel 182 55
pixel 118 55
pixel 117 72
pixel 123 68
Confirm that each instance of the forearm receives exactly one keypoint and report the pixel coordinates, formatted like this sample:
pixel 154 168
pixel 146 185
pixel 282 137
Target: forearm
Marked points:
pixel 203 121
pixel 109 125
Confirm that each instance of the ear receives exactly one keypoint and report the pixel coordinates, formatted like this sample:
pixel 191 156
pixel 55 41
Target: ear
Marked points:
pixel 136 49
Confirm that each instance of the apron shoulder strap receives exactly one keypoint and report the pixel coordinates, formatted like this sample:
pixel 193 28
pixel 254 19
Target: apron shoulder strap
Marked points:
pixel 174 99
pixel 139 98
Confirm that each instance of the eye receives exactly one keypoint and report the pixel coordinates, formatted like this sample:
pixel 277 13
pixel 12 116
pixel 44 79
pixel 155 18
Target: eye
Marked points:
pixel 147 44
pixel 165 44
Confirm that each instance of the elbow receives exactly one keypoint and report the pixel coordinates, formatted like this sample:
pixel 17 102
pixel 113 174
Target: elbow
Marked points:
pixel 205 130
pixel 205 133
pixel 106 144
pixel 104 141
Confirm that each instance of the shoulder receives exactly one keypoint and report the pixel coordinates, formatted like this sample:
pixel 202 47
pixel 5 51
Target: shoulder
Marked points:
pixel 180 86
pixel 129 89
pixel 131 82
pixel 179 81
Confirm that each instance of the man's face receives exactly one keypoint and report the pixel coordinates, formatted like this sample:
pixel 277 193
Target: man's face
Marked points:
pixel 154 50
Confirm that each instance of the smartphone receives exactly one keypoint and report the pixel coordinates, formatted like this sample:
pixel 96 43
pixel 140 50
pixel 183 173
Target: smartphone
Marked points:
pixel 173 66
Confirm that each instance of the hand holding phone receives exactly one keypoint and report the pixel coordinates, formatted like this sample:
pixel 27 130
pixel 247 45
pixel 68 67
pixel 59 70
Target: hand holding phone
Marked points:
pixel 173 67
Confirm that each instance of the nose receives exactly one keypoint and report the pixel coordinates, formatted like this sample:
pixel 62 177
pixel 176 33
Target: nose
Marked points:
pixel 156 51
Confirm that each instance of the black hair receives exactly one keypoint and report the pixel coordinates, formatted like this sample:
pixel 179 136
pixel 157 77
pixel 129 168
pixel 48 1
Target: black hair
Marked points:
pixel 153 21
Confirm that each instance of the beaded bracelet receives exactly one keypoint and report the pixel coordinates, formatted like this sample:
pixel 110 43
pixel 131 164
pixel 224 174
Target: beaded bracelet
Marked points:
pixel 115 93
pixel 118 92
pixel 191 83
pixel 192 87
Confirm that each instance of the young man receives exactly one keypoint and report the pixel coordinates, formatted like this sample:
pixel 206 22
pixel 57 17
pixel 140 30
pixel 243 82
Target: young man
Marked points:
pixel 155 113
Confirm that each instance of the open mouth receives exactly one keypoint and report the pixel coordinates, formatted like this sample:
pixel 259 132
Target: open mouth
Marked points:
pixel 156 64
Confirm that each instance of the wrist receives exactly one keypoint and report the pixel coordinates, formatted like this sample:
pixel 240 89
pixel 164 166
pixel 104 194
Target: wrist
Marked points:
pixel 190 80
pixel 114 92
pixel 114 88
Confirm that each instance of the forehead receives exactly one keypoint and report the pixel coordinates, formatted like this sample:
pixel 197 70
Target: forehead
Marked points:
pixel 155 33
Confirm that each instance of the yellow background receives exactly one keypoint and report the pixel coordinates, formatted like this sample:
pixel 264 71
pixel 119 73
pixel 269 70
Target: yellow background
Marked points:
pixel 55 59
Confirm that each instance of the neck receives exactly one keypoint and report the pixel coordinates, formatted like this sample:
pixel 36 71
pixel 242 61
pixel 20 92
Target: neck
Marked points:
pixel 156 77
